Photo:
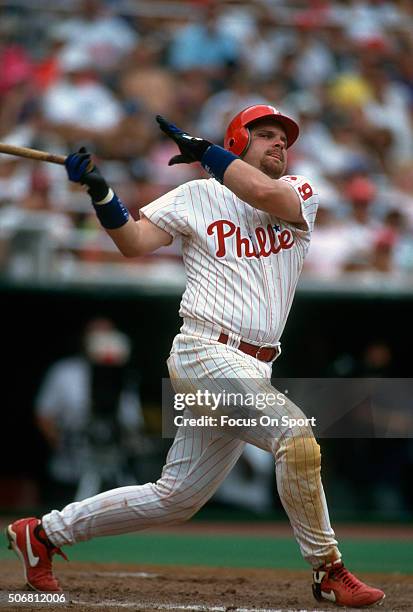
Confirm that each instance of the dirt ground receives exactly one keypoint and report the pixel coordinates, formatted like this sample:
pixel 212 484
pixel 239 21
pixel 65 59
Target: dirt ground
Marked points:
pixel 91 587
pixel 144 588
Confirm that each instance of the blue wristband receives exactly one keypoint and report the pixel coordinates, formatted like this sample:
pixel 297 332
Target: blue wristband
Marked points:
pixel 216 160
pixel 111 212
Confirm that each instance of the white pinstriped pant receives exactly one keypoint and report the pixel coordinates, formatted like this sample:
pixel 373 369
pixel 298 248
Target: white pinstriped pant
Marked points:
pixel 200 458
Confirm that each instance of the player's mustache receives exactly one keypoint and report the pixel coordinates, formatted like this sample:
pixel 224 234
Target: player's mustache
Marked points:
pixel 276 153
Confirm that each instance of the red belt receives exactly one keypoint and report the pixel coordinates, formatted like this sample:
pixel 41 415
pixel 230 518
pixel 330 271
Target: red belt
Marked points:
pixel 264 353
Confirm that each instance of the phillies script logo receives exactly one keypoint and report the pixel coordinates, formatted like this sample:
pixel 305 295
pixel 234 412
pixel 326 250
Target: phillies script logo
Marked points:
pixel 265 242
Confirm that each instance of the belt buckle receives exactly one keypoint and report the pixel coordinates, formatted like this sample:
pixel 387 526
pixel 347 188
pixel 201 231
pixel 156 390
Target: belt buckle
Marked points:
pixel 258 352
pixel 260 348
pixel 270 346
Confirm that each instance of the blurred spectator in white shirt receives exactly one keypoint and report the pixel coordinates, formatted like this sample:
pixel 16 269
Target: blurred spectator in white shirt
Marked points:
pixel 368 19
pixel 78 101
pixel 103 37
pixel 315 62
pixel 264 45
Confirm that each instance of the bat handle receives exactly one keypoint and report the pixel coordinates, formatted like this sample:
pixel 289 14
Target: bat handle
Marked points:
pixel 55 159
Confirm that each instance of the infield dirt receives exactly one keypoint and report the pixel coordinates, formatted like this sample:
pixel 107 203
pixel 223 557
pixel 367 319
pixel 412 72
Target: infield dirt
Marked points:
pixel 94 586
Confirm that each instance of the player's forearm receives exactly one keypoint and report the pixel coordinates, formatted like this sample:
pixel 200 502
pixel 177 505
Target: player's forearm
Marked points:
pixel 141 237
pixel 262 192
pixel 251 185
pixel 127 238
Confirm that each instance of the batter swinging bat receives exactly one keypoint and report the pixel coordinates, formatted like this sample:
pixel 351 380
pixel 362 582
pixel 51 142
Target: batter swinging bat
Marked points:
pixel 31 153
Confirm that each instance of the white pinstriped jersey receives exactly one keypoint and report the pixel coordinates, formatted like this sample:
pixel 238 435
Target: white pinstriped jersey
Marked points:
pixel 242 264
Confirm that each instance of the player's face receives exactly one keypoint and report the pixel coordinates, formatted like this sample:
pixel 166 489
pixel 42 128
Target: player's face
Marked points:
pixel 268 148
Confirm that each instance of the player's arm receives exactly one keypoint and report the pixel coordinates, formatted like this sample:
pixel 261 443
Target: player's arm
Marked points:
pixel 139 237
pixel 271 195
pixel 248 183
pixel 133 238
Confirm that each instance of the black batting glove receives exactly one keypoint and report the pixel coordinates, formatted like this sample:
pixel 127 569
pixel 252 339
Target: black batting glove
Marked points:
pixel 192 149
pixel 81 169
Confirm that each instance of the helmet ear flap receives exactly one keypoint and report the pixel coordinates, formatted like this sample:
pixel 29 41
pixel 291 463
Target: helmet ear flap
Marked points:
pixel 237 139
pixel 246 140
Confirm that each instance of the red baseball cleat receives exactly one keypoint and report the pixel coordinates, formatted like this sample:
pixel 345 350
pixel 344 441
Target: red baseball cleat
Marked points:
pixel 30 543
pixel 333 582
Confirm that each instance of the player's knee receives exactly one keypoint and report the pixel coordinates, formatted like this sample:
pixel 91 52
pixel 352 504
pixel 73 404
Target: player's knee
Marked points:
pixel 177 503
pixel 300 453
pixel 180 513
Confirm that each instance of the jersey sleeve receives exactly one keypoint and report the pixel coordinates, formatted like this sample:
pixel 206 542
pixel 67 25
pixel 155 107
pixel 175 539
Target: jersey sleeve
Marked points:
pixel 169 212
pixel 308 200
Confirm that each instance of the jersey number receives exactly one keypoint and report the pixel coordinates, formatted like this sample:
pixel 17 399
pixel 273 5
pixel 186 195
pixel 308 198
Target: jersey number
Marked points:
pixel 305 191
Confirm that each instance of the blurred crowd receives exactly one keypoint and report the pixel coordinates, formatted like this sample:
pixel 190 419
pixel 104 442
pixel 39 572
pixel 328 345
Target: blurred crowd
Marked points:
pixel 95 73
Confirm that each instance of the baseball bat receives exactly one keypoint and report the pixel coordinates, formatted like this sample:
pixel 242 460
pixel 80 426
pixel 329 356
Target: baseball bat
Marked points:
pixel 31 153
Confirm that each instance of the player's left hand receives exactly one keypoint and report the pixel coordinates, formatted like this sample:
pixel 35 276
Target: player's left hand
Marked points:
pixel 192 149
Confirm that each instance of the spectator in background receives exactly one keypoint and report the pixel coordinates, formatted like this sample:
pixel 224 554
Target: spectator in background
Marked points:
pixel 30 226
pixel 78 106
pixel 388 108
pixel 145 83
pixel 17 86
pixel 330 245
pixel 382 252
pixel 15 174
pixel 86 403
pixel 360 226
pixel 398 192
pixel 315 62
pixel 344 151
pixel 101 36
pixel 264 44
pixel 203 45
pixel 393 246
pixel 368 20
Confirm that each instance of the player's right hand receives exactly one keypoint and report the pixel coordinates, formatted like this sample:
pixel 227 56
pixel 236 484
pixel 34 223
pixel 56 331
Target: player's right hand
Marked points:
pixel 81 169
pixel 191 148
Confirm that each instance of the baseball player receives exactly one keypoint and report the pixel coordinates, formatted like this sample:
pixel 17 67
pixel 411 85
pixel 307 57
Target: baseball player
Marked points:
pixel 245 233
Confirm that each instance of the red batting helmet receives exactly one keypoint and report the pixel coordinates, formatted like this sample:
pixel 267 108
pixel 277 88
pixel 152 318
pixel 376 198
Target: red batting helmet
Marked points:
pixel 237 137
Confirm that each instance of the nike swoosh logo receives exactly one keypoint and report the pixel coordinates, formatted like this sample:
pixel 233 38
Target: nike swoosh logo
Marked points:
pixel 33 560
pixel 330 596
